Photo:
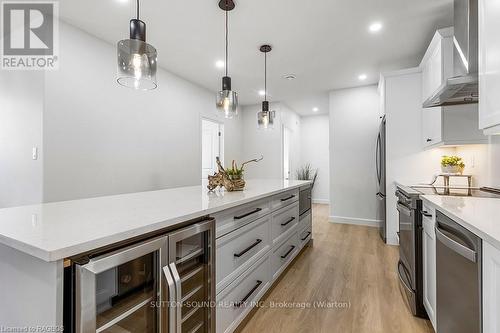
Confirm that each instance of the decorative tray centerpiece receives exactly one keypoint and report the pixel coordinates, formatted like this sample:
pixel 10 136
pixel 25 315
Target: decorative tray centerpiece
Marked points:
pixel 231 179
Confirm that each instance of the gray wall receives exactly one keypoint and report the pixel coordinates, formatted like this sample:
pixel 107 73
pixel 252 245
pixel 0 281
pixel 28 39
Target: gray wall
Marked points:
pixel 353 131
pixel 315 149
pixel 21 112
pixel 269 143
pixel 100 138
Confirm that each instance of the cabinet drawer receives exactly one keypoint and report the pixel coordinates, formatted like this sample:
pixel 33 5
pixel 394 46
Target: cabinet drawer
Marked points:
pixel 284 254
pixel 305 220
pixel 234 218
pixel 284 199
pixel 239 249
pixel 283 221
pixel 248 287
pixel 305 235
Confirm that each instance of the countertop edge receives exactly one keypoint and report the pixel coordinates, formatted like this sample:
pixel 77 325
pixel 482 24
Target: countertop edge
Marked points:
pixel 66 252
pixel 481 234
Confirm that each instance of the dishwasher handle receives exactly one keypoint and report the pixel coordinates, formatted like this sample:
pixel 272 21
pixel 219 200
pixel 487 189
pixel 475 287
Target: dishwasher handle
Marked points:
pixel 464 251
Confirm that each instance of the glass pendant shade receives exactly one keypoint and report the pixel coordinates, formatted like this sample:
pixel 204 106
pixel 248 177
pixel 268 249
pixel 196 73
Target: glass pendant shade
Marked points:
pixel 265 119
pixel 137 64
pixel 227 100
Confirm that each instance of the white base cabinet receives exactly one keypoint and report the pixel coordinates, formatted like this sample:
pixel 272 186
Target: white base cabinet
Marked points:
pixel 429 262
pixel 491 289
pixel 254 246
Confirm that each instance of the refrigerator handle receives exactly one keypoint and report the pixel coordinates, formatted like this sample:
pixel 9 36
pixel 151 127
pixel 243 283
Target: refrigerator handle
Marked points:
pixel 178 304
pixel 172 300
pixel 377 158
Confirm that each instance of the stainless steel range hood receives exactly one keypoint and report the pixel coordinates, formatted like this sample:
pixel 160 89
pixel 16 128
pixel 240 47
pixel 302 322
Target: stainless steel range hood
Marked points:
pixel 463 87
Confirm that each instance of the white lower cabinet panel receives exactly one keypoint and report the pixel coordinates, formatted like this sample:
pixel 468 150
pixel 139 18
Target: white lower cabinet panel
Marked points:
pixel 249 287
pixel 429 266
pixel 491 289
pixel 238 250
pixel 283 255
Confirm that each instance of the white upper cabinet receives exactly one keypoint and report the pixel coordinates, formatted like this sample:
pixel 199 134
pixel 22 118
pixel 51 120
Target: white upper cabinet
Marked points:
pixel 437 64
pixel 451 126
pixel 489 66
pixel 445 125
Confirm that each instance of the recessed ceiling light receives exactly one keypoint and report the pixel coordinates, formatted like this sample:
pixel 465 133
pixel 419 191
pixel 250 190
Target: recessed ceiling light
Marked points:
pixel 362 77
pixel 122 1
pixel 262 92
pixel 219 64
pixel 290 76
pixel 315 109
pixel 375 27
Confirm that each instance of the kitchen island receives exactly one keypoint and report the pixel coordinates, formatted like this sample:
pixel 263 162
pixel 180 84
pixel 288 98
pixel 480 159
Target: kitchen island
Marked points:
pixel 37 241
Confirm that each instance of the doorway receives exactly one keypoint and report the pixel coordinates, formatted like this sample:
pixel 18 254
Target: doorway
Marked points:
pixel 212 146
pixel 287 134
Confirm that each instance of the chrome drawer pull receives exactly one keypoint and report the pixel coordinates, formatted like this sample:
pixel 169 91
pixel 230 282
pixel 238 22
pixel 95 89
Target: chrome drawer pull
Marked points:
pixel 257 242
pixel 288 253
pixel 256 210
pixel 308 234
pixel 240 303
pixel 288 222
pixel 288 198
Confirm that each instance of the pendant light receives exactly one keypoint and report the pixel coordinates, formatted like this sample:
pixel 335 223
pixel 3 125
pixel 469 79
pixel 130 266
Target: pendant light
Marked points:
pixel 136 58
pixel 265 118
pixel 227 100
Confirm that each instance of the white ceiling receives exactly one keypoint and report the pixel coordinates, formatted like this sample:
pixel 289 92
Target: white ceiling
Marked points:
pixel 326 43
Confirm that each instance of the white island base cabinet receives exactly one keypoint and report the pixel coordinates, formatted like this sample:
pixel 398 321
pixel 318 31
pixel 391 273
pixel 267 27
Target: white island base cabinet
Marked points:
pixel 491 289
pixel 429 261
pixel 250 258
pixel 238 299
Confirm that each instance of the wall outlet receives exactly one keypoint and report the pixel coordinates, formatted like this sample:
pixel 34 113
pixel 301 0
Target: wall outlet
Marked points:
pixel 35 153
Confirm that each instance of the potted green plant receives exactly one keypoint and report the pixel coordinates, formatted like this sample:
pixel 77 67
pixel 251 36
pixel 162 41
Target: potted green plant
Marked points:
pixel 452 164
pixel 307 173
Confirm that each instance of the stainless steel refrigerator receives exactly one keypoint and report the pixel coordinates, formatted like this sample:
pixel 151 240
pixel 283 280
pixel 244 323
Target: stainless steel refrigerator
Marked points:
pixel 380 168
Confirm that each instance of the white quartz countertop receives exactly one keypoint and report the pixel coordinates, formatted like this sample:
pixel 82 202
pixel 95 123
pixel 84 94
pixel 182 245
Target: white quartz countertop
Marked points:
pixel 479 215
pixel 54 231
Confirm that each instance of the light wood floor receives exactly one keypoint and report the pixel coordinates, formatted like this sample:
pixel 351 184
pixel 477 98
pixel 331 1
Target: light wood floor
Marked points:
pixel 347 264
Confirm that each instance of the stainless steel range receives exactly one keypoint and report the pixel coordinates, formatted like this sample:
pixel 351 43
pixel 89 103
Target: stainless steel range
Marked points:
pixel 410 248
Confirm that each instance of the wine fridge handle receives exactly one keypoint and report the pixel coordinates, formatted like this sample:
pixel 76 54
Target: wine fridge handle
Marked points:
pixel 178 304
pixel 172 305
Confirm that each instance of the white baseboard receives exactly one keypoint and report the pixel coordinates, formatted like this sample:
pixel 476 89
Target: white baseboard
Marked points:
pixel 321 201
pixel 355 221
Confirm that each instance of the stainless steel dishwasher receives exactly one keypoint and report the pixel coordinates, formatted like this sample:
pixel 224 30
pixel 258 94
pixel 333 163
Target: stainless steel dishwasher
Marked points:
pixel 458 267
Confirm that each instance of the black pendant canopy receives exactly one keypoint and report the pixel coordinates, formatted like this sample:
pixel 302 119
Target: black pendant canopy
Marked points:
pixel 227 99
pixel 265 118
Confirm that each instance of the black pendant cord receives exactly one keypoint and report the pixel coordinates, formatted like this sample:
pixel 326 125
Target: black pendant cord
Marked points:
pixel 265 76
pixel 137 9
pixel 227 43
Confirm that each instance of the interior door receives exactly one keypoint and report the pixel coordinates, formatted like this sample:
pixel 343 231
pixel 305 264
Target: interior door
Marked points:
pixel 212 146
pixel 286 152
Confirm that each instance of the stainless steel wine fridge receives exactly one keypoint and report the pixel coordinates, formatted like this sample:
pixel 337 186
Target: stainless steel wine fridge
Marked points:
pixel 161 284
